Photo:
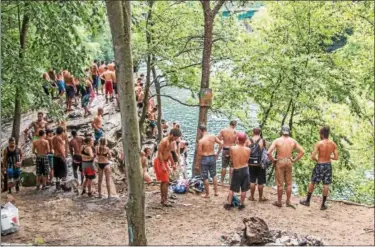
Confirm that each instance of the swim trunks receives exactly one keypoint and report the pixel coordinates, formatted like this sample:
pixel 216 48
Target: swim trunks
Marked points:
pixel 61 86
pixel 283 172
pixel 88 169
pixel 95 81
pixel 13 174
pixel 60 169
pixel 50 160
pixel 152 123
pixel 162 176
pixel 322 172
pixel 42 165
pixel 98 134
pixel 225 159
pixel 115 87
pixel 208 165
pixel 108 87
pixel 85 100
pixel 257 174
pixel 70 93
pixel 240 180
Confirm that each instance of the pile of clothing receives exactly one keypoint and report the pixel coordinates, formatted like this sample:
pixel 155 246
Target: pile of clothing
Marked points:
pixel 182 186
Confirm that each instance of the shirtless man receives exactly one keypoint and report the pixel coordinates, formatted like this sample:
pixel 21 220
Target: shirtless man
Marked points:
pixel 49 137
pixel 228 135
pixel 101 71
pixel 97 125
pixel 41 149
pixel 240 179
pixel 152 117
pixel 109 77
pixel 75 146
pixel 65 138
pixel 206 158
pixel 39 124
pixel 161 166
pixel 59 159
pixel 146 152
pixel 140 96
pixel 323 169
pixel 94 75
pixel 284 146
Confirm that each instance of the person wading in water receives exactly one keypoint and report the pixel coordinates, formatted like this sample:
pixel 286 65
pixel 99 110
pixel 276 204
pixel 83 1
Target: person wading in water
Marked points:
pixel 323 169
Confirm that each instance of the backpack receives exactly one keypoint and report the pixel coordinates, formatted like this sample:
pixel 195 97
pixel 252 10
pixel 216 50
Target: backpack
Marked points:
pixel 265 161
pixel 256 152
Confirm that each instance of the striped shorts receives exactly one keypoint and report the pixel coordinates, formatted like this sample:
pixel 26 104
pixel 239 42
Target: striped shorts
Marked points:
pixel 42 165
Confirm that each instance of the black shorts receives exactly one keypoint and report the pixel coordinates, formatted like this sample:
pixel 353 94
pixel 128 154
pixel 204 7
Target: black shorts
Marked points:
pixel 140 105
pixel 77 162
pixel 322 173
pixel 102 81
pixel 115 88
pixel 59 167
pixel 240 180
pixel 257 175
pixel 70 93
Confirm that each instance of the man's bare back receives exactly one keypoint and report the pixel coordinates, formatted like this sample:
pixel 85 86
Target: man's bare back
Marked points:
pixel 76 145
pixel 240 155
pixel 41 147
pixel 97 122
pixel 208 145
pixel 285 146
pixel 58 146
pixel 325 149
pixel 229 136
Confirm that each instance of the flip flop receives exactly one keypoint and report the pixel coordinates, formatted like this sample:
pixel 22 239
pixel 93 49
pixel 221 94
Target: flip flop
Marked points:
pixel 277 204
pixel 206 196
pixel 289 205
pixel 251 199
pixel 263 199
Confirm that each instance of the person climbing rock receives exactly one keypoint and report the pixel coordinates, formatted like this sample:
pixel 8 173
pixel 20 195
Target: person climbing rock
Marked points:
pixel 41 149
pixel 97 125
pixel 257 173
pixel 161 166
pixel 228 136
pixel 206 158
pixel 284 145
pixel 323 169
pixel 59 157
pixel 39 124
pixel 12 160
pixel 239 155
pixel 104 154
pixel 75 146
pixel 88 165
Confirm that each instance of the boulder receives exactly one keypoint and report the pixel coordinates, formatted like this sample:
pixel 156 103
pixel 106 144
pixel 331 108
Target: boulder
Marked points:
pixel 256 231
pixel 28 161
pixel 235 239
pixel 28 179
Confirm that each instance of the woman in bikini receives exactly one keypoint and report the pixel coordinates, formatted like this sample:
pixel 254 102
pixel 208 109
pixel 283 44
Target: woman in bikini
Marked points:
pixel 88 164
pixel 103 153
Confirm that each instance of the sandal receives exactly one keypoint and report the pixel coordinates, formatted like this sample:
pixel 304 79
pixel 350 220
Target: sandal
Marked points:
pixel 251 199
pixel 277 204
pixel 289 205
pixel 228 206
pixel 263 199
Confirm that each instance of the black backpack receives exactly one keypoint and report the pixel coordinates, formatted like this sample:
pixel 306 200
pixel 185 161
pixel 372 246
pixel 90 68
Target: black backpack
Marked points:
pixel 256 152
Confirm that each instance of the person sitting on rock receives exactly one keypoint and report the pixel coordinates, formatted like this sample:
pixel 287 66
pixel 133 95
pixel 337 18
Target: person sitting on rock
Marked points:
pixel 12 160
pixel 41 149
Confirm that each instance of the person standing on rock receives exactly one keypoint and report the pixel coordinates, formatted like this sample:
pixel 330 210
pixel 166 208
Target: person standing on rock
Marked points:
pixel 206 158
pixel 257 173
pixel 228 135
pixel 104 154
pixel 59 158
pixel 101 71
pixel 323 169
pixel 95 75
pixel 284 145
pixel 41 149
pixel 88 165
pixel 161 166
pixel 152 116
pixel 146 152
pixel 12 160
pixel 86 96
pixel 75 146
pixel 70 92
pixel 97 125
pixel 239 155
pixel 50 155
pixel 39 124
pixel 109 77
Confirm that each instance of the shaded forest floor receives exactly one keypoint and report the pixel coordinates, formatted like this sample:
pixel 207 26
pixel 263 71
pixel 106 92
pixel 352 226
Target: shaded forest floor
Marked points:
pixel 68 219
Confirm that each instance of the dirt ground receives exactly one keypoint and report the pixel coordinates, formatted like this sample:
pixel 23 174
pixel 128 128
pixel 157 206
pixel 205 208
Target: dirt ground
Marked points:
pixel 67 219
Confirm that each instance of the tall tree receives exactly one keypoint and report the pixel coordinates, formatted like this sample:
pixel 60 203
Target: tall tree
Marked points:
pixel 119 16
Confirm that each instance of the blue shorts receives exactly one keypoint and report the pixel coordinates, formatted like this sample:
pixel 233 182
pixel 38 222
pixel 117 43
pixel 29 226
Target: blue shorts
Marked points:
pixel 98 134
pixel 95 81
pixel 61 86
pixel 50 160
pixel 208 165
pixel 14 173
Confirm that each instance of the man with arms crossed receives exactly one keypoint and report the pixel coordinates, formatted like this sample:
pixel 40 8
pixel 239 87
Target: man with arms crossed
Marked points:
pixel 284 146
pixel 39 124
pixel 240 178
pixel 41 149
pixel 228 135
pixel 323 169
pixel 206 157
pixel 161 166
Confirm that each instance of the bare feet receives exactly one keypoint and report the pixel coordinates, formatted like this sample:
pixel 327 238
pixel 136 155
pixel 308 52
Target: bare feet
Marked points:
pixel 263 199
pixel 251 199
pixel 206 196
pixel 277 204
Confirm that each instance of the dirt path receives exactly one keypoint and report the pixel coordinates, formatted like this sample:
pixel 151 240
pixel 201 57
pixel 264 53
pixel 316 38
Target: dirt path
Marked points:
pixel 66 219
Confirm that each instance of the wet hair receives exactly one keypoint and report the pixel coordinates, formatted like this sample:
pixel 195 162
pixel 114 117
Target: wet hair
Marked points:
pixel 95 61
pixel 257 131
pixel 233 123
pixel 103 62
pixel 40 113
pixel 41 132
pixel 87 139
pixel 155 109
pixel 202 127
pixel 175 132
pixel 12 139
pixel 139 78
pixel 59 130
pixel 163 121
pixel 74 133
pixel 145 149
pixel 100 109
pixel 324 131
pixel 106 67
pixel 48 131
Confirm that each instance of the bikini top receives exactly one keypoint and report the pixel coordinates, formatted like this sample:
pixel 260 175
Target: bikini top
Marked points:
pixel 83 151
pixel 102 154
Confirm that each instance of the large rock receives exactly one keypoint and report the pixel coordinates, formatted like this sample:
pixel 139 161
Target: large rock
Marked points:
pixel 28 161
pixel 28 179
pixel 256 231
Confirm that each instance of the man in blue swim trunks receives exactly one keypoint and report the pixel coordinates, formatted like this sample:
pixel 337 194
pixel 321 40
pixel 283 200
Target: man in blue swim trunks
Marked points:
pixel 12 159
pixel 97 125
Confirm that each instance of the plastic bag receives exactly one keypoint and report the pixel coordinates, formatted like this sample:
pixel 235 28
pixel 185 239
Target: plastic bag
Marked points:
pixel 9 219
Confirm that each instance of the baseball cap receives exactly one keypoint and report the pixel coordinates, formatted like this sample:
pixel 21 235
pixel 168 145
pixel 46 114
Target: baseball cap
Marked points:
pixel 241 137
pixel 285 130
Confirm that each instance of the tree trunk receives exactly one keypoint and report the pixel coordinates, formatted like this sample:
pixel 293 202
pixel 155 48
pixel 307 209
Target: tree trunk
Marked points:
pixel 119 16
pixel 17 106
pixel 158 98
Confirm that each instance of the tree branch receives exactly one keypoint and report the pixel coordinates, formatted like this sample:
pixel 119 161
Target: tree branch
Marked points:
pixel 174 99
pixel 217 7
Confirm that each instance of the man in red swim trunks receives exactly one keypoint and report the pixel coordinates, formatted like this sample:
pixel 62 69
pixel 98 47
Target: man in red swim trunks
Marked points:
pixel 161 166
pixel 109 77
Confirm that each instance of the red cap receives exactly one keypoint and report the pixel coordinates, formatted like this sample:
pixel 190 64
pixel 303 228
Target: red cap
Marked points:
pixel 241 137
